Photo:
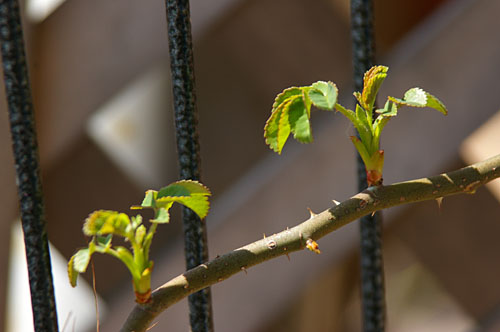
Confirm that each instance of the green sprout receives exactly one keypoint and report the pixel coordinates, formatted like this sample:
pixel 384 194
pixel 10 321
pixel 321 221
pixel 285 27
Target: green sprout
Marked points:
pixel 291 112
pixel 102 225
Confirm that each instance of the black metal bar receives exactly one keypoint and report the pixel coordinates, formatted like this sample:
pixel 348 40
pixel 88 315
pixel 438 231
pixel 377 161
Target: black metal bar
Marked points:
pixel 25 148
pixel 183 82
pixel 372 270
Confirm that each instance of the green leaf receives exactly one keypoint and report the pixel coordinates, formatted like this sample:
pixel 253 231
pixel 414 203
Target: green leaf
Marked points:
pixel 363 126
pixel 106 222
pixel 323 95
pixel 292 110
pixel 198 203
pixel 82 259
pixel 149 199
pixel 104 241
pixel 372 81
pixel 281 123
pixel 271 130
pixel 285 95
pixel 183 188
pixel 72 273
pixel 363 152
pixel 298 118
pixel 306 100
pixel 349 114
pixel 378 125
pixel 358 97
pixel 79 263
pixel 190 193
pixel 139 234
pixel 390 109
pixel 417 97
pixel 284 125
pixel 436 104
pixel 162 215
pixel 136 221
pixel 274 135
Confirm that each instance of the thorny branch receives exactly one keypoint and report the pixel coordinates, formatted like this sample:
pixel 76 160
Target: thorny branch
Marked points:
pixel 465 180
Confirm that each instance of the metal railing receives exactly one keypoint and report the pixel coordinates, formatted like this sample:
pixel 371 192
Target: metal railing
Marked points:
pixel 181 56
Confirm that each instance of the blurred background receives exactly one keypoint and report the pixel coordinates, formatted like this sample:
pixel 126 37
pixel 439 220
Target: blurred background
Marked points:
pixel 100 77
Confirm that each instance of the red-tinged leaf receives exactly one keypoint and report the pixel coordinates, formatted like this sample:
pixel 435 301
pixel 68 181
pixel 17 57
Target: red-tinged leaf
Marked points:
pixel 372 81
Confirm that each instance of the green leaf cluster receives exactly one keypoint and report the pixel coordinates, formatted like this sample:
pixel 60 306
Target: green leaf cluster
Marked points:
pixel 291 113
pixel 292 110
pixel 102 225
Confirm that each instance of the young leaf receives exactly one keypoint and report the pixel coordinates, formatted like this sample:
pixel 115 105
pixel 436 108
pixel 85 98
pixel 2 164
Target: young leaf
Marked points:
pixel 139 234
pixel 72 273
pixel 104 241
pixel 417 97
pixel 187 192
pixel 106 222
pixel 363 152
pixel 198 203
pixel 162 215
pixel 390 109
pixel 363 126
pixel 349 114
pixel 271 130
pixel 136 221
pixel 282 123
pixel 285 95
pixel 298 118
pixel 149 199
pixel 306 100
pixel 79 262
pixel 274 135
pixel 372 81
pixel 183 188
pixel 323 95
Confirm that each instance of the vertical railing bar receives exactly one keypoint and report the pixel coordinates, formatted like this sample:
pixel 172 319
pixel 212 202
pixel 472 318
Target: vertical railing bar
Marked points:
pixel 372 275
pixel 24 142
pixel 183 84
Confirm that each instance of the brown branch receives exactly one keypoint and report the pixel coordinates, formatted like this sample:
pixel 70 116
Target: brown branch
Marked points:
pixel 465 180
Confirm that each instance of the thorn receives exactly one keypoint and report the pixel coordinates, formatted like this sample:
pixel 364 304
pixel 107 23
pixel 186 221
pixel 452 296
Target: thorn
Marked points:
pixel 313 246
pixel 244 270
pixel 439 200
pixel 287 256
pixel 264 235
pixel 373 213
pixel 311 213
pixel 472 187
pixel 152 325
pixel 335 202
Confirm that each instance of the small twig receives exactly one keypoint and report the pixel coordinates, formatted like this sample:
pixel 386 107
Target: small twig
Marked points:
pixel 465 180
